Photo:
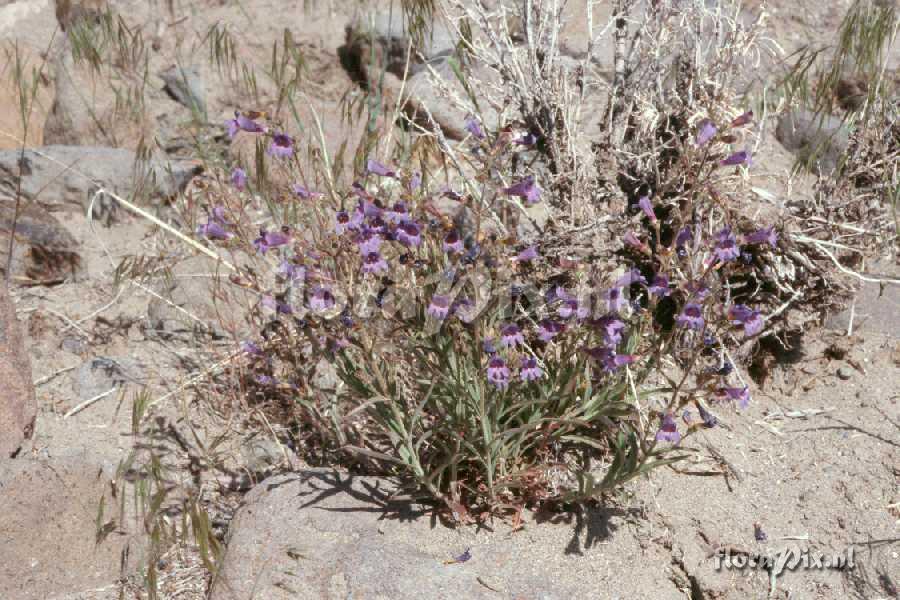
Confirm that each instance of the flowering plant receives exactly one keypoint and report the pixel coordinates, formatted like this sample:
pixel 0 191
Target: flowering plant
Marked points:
pixel 471 362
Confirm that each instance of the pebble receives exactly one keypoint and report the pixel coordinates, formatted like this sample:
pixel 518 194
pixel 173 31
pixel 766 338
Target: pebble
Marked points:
pixel 844 373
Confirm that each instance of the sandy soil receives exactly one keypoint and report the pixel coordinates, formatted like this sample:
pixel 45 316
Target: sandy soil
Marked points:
pixel 815 461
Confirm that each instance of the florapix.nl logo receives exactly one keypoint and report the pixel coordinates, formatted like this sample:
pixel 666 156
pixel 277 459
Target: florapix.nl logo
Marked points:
pixel 787 559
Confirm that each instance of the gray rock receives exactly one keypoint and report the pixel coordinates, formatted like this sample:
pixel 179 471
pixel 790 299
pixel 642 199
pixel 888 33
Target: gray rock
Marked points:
pixel 261 453
pixel 844 373
pixel 101 374
pixel 50 524
pixel 381 40
pixel 17 404
pixel 877 308
pixel 186 85
pixel 815 140
pixel 424 96
pixel 320 534
pixel 60 177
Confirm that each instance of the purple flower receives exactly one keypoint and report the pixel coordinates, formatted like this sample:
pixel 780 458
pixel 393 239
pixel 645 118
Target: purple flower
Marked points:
pixel 218 214
pixel 738 158
pixel 511 335
pixel 632 276
pixel 696 288
pixel 266 380
pixel 547 329
pixel 740 395
pixel 709 419
pixel 465 556
pixel 277 305
pixel 567 308
pixel 706 132
pixel 488 346
pixel 242 123
pixel 608 358
pixel 369 210
pixel 743 119
pixel 398 214
pixel 660 286
pixel 270 239
pixel 764 235
pixel 379 225
pixel 668 430
pixel 612 329
pixel 360 192
pixel 439 307
pixel 408 234
pixel 305 193
pixel 215 227
pixel 568 304
pixel 752 320
pixel 691 317
pixel 647 207
pixel 526 139
pixel 449 193
pixel 239 178
pixel 321 299
pixel 291 271
pixel 529 253
pixel 474 127
pixel 632 240
pixel 726 248
pixel 342 222
pixel 415 182
pixel 615 300
pixel 374 263
pixel 251 348
pixel 453 243
pixel 213 231
pixel 368 241
pixel 498 373
pixel 684 236
pixel 282 146
pixel 526 189
pixel 529 370
pixel 376 168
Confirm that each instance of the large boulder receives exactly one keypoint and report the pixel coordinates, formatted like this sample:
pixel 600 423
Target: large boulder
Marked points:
pixel 17 404
pixel 817 140
pixel 61 528
pixel 380 42
pixel 319 534
pixel 20 125
pixel 88 108
pixel 67 177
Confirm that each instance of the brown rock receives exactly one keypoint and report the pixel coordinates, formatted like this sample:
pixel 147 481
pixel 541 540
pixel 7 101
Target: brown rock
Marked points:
pixel 17 404
pixel 851 92
pixel 87 110
pixel 69 12
pixel 52 522
pixel 19 66
pixel 44 252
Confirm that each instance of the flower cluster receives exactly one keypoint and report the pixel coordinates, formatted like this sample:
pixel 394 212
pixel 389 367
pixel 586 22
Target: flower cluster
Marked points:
pixel 446 315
